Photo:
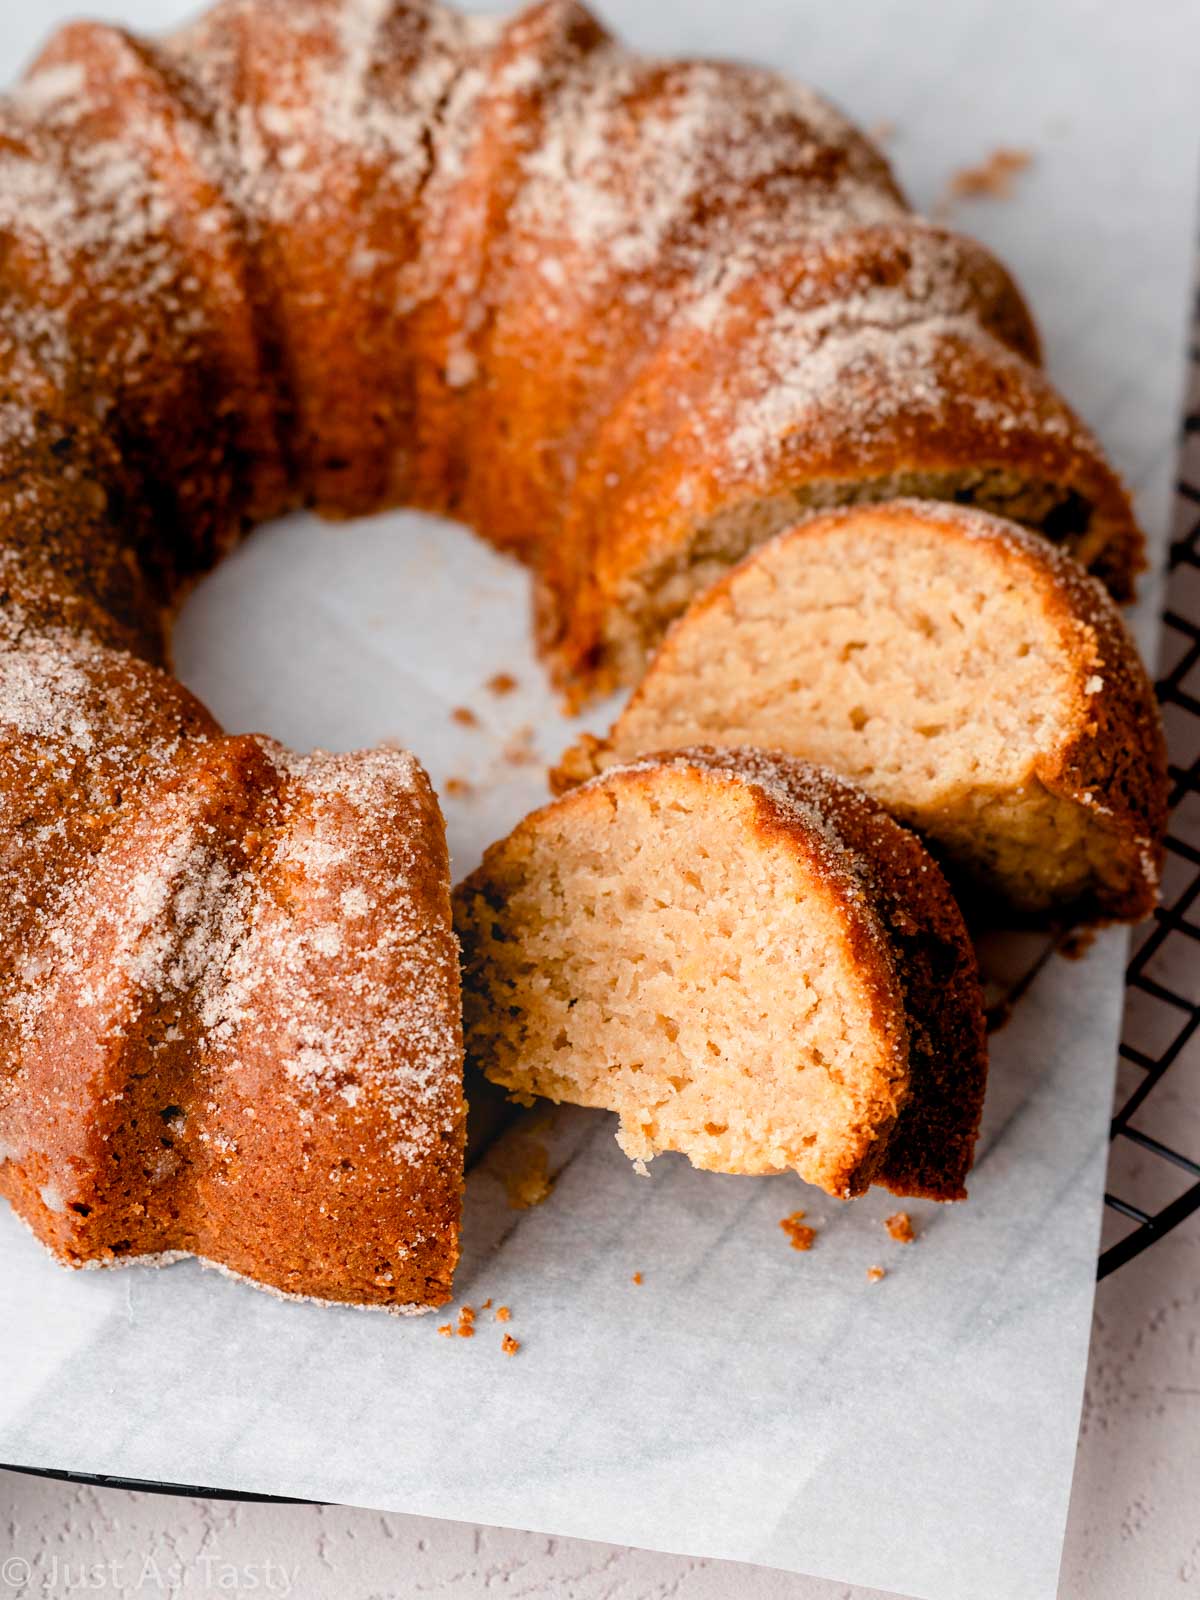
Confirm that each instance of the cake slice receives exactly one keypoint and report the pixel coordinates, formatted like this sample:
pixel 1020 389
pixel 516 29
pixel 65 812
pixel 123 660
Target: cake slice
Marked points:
pixel 968 674
pixel 744 957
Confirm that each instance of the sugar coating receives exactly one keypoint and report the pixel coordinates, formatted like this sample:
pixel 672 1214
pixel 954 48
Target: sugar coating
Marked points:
pixel 282 257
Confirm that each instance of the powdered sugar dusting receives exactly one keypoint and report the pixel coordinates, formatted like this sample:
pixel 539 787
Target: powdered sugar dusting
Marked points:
pixel 648 165
pixel 170 212
pixel 46 693
pixel 341 60
pixel 867 373
pixel 360 845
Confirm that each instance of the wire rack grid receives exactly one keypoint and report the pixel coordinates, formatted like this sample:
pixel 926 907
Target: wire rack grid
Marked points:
pixel 1160 1048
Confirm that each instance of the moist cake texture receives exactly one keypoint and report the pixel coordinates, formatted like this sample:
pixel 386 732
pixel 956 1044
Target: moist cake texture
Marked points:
pixel 746 959
pixel 973 678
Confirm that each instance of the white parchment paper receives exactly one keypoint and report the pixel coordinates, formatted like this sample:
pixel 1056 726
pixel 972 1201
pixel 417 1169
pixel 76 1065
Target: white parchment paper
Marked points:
pixel 744 1401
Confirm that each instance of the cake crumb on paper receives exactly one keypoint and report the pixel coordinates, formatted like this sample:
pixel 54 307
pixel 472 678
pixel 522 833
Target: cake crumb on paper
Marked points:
pixel 993 178
pixel 466 1323
pixel 637 1277
pixel 501 683
pixel 464 716
pixel 800 1236
pixel 899 1225
pixel 458 787
pixel 486 1305
pixel 874 1274
pixel 503 1314
pixel 509 1345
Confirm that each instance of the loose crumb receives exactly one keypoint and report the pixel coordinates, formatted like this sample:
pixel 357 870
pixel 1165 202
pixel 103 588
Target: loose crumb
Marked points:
pixel 501 683
pixel 874 1274
pixel 486 1304
pixel 464 716
pixel 466 1322
pixel 509 1345
pixel 993 178
pixel 503 1314
pixel 899 1225
pixel 800 1236
pixel 637 1277
pixel 458 786
pixel 446 1331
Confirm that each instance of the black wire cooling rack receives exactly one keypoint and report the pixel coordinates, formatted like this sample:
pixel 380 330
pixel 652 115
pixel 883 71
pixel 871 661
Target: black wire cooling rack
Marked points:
pixel 1160 1048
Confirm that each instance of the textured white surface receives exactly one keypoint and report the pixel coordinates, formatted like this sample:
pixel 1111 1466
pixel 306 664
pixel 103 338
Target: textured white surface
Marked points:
pixel 1105 260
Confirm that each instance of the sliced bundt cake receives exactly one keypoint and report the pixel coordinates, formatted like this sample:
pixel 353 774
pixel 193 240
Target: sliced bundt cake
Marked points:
pixel 625 316
pixel 969 675
pixel 744 957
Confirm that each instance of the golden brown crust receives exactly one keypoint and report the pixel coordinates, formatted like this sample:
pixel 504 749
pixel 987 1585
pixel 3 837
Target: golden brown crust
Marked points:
pixel 932 1146
pixel 1116 764
pixel 692 240
pixel 506 874
pixel 176 895
pixel 186 1073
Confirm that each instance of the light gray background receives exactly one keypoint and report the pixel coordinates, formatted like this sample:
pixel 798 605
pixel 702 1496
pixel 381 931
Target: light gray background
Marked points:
pixel 1085 86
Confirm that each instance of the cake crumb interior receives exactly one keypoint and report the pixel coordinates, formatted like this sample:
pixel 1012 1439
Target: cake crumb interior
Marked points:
pixel 657 953
pixel 922 667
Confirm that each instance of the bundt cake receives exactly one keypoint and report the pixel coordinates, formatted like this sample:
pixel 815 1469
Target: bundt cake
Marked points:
pixel 743 956
pixel 968 674
pixel 232 1024
pixel 624 316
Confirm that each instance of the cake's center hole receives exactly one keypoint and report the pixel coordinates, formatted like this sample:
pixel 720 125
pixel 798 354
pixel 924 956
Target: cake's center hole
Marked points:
pixel 401 627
